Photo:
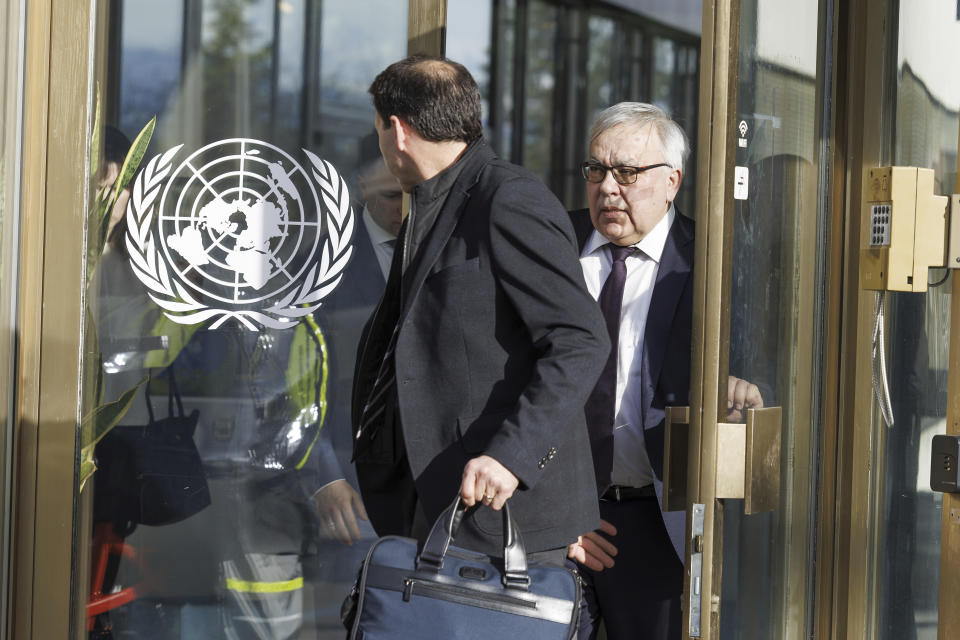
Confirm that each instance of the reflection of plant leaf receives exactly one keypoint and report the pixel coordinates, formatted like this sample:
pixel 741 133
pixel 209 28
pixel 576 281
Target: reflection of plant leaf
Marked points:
pixel 92 363
pixel 98 423
pixel 95 147
pixel 87 466
pixel 132 162
pixel 104 417
pixel 107 196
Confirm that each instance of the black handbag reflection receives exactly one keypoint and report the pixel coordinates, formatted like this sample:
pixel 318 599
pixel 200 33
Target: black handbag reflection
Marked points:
pixel 151 474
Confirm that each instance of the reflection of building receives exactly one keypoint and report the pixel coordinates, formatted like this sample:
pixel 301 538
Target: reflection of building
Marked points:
pixel 545 68
pixel 549 67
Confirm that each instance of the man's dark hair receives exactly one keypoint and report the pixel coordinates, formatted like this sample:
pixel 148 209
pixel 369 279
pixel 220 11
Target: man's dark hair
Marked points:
pixel 437 97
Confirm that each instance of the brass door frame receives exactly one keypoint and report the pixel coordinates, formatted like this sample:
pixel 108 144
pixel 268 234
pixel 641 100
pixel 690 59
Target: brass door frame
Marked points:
pixel 851 450
pixel 948 616
pixel 710 338
pixel 427 27
pixel 11 132
pixel 859 446
pixel 833 581
pixel 55 165
pixel 826 592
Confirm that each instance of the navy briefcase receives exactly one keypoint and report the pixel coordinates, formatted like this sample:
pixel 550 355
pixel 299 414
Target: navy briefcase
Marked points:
pixel 447 592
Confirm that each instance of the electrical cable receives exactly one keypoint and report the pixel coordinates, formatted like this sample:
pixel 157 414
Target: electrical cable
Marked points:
pixel 881 388
pixel 939 282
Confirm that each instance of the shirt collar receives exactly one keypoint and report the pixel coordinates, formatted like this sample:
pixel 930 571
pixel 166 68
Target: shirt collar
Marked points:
pixel 651 245
pixel 439 185
pixel 378 235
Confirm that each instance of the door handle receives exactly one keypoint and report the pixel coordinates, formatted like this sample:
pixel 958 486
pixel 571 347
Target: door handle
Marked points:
pixel 748 459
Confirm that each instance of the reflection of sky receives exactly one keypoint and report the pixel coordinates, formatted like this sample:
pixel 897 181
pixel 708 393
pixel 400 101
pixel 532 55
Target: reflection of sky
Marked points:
pixel 290 75
pixel 681 14
pixel 468 36
pixel 930 43
pixel 359 39
pixel 787 34
pixel 149 23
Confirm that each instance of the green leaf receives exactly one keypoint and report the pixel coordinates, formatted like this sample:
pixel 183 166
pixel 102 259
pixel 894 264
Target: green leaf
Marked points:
pixel 132 162
pixel 104 417
pixel 98 423
pixel 95 147
pixel 87 466
pixel 107 197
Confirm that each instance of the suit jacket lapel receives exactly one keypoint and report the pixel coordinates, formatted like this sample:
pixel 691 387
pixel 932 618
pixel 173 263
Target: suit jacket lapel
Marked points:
pixel 676 262
pixel 582 227
pixel 443 226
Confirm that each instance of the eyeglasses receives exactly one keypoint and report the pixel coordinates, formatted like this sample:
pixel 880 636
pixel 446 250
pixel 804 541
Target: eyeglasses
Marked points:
pixel 596 172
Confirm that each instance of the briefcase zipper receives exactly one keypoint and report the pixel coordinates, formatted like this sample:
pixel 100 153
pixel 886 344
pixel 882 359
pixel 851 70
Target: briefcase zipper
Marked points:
pixel 468 596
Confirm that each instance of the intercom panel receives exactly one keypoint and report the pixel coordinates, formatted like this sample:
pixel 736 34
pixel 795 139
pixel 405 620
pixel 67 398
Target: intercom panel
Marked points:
pixel 905 230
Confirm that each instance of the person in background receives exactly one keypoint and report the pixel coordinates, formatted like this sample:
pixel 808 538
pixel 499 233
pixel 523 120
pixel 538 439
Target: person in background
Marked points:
pixel 338 503
pixel 636 251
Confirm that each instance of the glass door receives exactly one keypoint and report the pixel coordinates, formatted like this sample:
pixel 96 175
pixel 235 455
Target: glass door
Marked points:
pixel 761 260
pixel 906 562
pixel 232 262
pixel 855 543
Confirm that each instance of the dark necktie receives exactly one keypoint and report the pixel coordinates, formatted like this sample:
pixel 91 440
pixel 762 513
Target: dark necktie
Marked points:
pixel 601 405
pixel 372 416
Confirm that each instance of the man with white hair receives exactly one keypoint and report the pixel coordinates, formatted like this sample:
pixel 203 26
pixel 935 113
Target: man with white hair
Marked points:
pixel 637 256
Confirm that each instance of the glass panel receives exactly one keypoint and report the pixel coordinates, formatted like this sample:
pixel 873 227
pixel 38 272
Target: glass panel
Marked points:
pixel 541 79
pixel 11 96
pixel 600 61
pixel 775 309
pixel 472 22
pixel 226 303
pixel 924 135
pixel 551 66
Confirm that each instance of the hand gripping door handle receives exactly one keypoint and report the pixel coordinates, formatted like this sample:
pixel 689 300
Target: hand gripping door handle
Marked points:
pixel 445 530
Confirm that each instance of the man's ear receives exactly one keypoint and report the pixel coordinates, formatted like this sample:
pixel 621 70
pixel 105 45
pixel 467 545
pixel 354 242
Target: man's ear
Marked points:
pixel 673 183
pixel 400 131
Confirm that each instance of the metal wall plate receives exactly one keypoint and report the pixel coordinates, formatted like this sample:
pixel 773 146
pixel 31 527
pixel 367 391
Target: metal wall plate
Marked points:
pixel 696 571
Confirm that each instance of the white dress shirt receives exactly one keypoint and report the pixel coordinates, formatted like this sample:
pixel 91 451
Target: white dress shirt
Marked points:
pixel 631 466
pixel 382 241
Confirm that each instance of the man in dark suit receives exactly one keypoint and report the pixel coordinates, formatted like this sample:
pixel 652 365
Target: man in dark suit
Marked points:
pixel 473 369
pixel 637 257
pixel 342 316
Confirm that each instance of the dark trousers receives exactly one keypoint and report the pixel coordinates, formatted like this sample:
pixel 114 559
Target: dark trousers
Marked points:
pixel 639 597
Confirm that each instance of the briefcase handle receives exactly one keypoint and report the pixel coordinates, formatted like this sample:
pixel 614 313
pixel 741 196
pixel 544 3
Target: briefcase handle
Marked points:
pixel 445 530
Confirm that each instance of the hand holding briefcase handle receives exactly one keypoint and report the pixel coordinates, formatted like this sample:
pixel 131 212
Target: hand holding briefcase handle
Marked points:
pixel 448 592
pixel 445 530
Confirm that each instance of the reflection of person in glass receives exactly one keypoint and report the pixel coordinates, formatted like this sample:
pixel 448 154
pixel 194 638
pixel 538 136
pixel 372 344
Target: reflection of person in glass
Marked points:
pixel 235 567
pixel 637 256
pixel 338 503
pixel 473 369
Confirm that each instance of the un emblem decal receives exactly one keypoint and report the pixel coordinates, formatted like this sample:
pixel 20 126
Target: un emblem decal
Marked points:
pixel 239 230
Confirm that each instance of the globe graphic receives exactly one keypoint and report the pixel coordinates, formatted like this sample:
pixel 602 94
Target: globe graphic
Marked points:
pixel 239 222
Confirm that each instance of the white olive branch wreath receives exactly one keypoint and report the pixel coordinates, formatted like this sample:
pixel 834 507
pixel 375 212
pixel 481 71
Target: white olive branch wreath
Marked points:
pixel 174 298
